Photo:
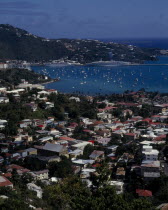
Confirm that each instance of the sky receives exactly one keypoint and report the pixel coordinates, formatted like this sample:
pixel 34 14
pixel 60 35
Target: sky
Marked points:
pixel 88 18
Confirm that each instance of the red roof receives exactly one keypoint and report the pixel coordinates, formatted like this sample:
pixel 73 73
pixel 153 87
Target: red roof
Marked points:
pixel 14 166
pixel 66 138
pixel 87 131
pixel 147 120
pixel 156 116
pixel 155 123
pixel 107 108
pixel 144 193
pixel 4 182
pixel 7 155
pixel 92 141
pixel 127 104
pixel 74 124
pixel 98 122
pixel 160 138
pixel 7 175
pixel 113 158
pixel 96 165
pixel 130 134
pixel 40 126
pixel 116 129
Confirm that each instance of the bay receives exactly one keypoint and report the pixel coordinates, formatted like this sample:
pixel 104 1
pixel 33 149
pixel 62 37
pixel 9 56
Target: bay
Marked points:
pixel 94 80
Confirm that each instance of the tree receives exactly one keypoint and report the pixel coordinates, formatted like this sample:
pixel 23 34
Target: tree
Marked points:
pixel 15 176
pixel 141 204
pixel 162 194
pixel 61 169
pixel 12 203
pixel 87 151
pixel 71 193
pixel 102 176
pixel 34 163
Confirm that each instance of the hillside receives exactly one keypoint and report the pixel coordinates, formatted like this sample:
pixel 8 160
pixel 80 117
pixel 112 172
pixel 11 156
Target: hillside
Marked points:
pixel 18 44
pixel 14 77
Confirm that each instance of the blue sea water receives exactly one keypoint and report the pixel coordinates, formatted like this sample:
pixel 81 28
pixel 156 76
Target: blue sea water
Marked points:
pixel 112 79
pixel 147 43
pixel 106 80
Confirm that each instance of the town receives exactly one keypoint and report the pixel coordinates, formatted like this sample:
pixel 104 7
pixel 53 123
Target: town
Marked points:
pixel 54 144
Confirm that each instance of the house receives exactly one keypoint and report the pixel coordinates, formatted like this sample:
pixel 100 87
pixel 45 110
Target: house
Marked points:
pixel 103 132
pixel 20 170
pixel 37 122
pixel 32 106
pixel 4 182
pixel 104 116
pixel 31 151
pixel 3 90
pixel 23 153
pixel 27 138
pixel 49 105
pixel 81 145
pixel 126 112
pixel 119 186
pixel 77 99
pixel 51 91
pixel 159 108
pixel 75 153
pixel 163 206
pixel 1 159
pixel 2 136
pixel 86 172
pixel 46 159
pixel 3 122
pixel 4 100
pixel 130 136
pixel 103 141
pixel 150 153
pixel 40 175
pixel 150 169
pixel 25 123
pixel 112 148
pixel 96 155
pixel 15 156
pixel 66 138
pixel 144 193
pixel 30 86
pixel 53 149
pixel 54 132
pixel 46 138
pixel 82 163
pixel 37 189
pixel 120 173
pixel 3 65
pixel 118 133
pixel 4 149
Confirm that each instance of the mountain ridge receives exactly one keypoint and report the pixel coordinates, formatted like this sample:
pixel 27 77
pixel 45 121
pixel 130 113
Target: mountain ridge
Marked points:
pixel 18 44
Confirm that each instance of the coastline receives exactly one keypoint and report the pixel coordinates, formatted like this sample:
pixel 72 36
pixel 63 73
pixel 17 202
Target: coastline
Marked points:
pixel 49 82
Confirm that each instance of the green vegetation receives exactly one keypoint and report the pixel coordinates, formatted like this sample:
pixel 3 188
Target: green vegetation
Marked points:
pixel 14 76
pixel 18 44
pixel 72 193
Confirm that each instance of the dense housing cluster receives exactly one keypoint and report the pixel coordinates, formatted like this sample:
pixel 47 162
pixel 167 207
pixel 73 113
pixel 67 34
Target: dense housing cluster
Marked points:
pixel 65 151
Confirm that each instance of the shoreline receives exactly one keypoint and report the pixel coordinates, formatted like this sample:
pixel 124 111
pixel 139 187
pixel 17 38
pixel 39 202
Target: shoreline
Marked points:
pixel 48 82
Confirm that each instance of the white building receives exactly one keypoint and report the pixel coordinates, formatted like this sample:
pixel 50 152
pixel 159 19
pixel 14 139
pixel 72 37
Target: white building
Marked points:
pixel 150 153
pixel 49 105
pixel 33 187
pixel 77 99
pixel 150 169
pixel 3 65
pixel 46 138
pixel 119 186
pixel 4 100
